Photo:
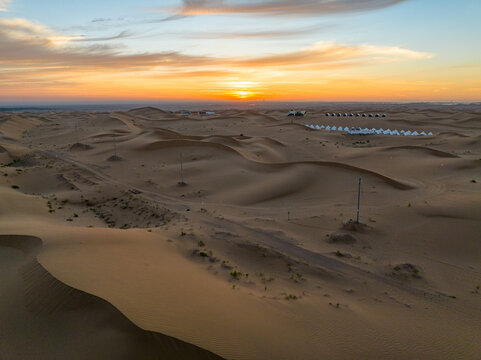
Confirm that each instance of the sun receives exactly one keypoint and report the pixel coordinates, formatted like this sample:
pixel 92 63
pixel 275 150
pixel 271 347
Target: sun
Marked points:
pixel 241 90
pixel 243 94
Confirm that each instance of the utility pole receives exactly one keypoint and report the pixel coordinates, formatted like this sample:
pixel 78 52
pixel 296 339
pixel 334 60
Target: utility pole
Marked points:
pixel 181 170
pixel 358 199
pixel 76 131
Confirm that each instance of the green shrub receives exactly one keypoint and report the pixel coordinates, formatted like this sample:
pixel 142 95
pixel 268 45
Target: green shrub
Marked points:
pixel 236 274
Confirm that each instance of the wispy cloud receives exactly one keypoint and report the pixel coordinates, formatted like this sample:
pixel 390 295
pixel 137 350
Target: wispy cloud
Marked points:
pixel 280 7
pixel 26 43
pixel 34 54
pixel 4 5
pixel 29 44
pixel 268 34
pixel 328 53
pixel 122 35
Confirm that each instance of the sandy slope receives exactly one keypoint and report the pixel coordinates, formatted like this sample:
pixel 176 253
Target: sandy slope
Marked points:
pixel 216 263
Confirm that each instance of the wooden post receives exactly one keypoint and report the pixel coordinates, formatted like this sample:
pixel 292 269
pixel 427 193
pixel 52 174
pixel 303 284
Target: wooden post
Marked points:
pixel 358 200
pixel 181 170
pixel 76 131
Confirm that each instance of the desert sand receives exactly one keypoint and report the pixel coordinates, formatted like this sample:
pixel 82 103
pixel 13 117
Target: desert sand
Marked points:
pixel 104 254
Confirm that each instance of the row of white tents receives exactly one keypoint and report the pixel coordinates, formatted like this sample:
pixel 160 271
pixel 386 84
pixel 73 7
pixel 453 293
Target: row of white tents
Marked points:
pixel 356 115
pixel 366 131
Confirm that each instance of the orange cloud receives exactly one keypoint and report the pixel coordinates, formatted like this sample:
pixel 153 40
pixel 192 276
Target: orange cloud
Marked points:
pixel 280 7
pixel 38 62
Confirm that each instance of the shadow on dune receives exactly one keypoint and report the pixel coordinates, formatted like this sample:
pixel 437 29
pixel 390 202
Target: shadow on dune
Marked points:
pixel 75 324
pixel 158 145
pixel 427 150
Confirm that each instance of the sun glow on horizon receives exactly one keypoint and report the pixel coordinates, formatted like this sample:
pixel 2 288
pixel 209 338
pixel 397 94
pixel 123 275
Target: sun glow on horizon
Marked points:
pixel 242 90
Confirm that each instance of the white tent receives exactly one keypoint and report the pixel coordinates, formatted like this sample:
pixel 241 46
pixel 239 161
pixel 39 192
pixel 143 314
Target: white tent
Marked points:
pixel 328 128
pixel 297 113
pixel 430 133
pixel 395 132
pixel 415 133
pixel 333 128
pixel 423 133
pixel 374 129
pixel 317 127
pixel 402 131
pixel 387 132
pixel 407 133
pixel 322 127
pixel 379 131
pixel 346 129
pixel 339 128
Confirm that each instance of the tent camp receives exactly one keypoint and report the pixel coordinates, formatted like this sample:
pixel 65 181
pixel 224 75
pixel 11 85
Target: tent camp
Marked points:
pixel 297 113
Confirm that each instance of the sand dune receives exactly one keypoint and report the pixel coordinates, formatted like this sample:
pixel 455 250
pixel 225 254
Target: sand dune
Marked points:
pixel 255 255
pixel 80 147
pixel 427 150
pixel 49 306
pixel 14 126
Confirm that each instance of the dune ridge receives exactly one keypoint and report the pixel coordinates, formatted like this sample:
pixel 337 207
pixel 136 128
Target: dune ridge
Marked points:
pixel 46 296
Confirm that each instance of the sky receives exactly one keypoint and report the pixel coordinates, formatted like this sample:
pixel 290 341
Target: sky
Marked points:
pixel 305 50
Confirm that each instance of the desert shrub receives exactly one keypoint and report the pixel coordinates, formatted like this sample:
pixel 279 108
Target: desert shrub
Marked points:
pixel 236 274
